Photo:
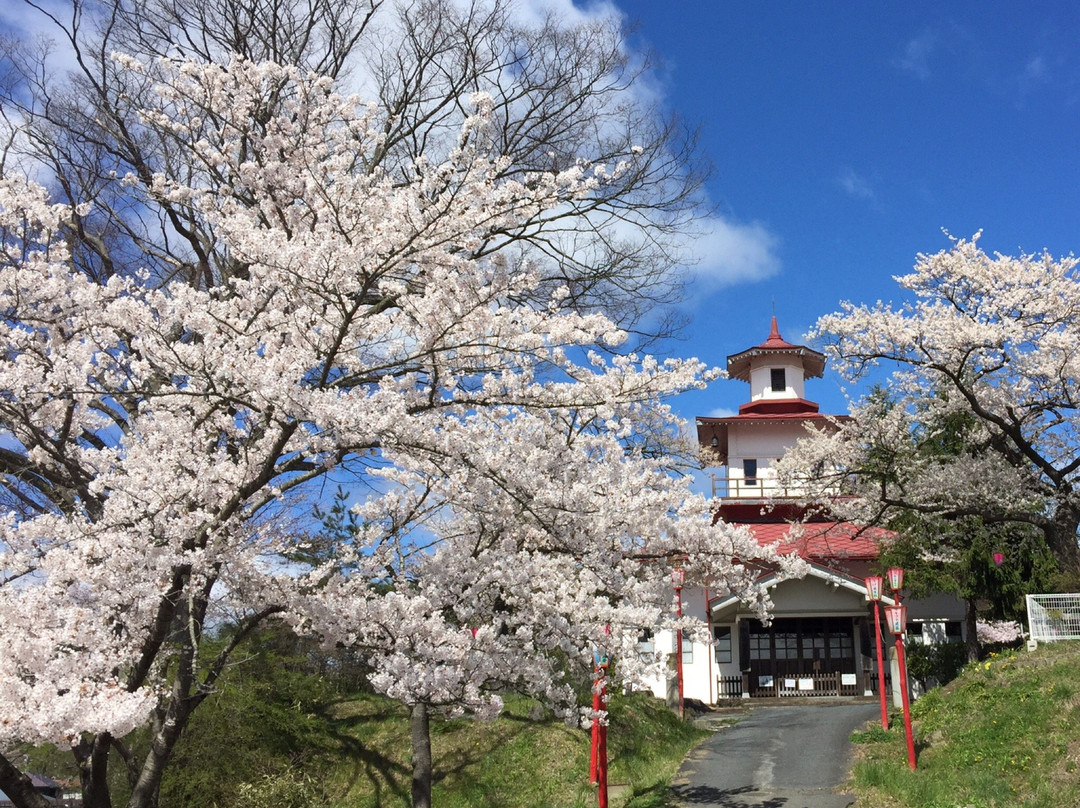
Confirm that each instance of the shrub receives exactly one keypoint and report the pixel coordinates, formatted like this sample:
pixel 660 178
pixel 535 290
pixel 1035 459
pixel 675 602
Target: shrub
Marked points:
pixel 941 662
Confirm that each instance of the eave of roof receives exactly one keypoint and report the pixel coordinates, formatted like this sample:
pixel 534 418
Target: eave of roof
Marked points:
pixel 826 574
pixel 771 417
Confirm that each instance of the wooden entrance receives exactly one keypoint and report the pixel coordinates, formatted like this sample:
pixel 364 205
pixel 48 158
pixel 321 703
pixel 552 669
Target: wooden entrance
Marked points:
pixel 804 649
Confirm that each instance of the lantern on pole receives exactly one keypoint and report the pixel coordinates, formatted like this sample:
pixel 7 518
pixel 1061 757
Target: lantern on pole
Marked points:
pixel 896 578
pixel 598 763
pixel 678 578
pixel 896 618
pixel 874 584
pixel 873 593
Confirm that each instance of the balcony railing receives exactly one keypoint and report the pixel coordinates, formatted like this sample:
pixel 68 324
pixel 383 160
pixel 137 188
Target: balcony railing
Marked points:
pixel 729 486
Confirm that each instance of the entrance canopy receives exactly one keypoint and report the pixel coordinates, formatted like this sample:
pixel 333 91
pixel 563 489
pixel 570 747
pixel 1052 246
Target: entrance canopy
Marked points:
pixel 822 592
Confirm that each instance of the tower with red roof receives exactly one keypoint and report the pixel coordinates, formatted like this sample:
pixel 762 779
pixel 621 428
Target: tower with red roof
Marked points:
pixel 819 640
pixel 749 444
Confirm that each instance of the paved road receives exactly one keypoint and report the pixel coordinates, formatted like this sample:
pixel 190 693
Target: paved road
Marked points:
pixel 775 757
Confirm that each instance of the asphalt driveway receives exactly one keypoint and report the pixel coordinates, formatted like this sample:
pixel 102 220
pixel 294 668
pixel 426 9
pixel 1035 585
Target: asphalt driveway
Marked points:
pixel 789 756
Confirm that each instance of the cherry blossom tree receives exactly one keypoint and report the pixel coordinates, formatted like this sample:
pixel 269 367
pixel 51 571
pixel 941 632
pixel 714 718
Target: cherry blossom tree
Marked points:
pixel 563 87
pixel 985 357
pixel 160 435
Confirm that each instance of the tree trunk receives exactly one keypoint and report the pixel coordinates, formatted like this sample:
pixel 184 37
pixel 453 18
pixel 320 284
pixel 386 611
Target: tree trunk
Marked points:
pixel 164 736
pixel 92 755
pixel 1062 539
pixel 971 631
pixel 18 787
pixel 420 733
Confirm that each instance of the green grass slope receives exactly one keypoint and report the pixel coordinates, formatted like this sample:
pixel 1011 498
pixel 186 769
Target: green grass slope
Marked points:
pixel 517 761
pixel 355 754
pixel 1005 733
pixel 280 734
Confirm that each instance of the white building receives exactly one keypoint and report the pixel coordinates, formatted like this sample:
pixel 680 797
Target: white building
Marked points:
pixel 821 638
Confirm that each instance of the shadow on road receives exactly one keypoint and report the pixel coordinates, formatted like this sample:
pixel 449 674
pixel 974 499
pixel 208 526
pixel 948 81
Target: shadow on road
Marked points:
pixel 725 798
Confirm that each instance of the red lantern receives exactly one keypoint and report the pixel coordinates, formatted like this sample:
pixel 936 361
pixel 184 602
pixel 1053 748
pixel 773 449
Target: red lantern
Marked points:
pixel 873 587
pixel 896 618
pixel 896 578
pixel 678 577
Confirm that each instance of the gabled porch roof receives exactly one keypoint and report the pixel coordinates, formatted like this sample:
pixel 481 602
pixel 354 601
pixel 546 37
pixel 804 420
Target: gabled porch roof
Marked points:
pixel 839 581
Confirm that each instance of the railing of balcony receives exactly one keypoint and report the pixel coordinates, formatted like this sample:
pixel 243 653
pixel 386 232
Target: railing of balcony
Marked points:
pixel 736 486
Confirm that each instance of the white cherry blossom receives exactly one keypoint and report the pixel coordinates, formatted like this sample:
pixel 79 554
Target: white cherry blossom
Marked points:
pixel 160 440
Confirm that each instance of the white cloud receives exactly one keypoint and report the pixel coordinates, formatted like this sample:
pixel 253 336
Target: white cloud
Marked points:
pixel 916 57
pixel 1036 68
pixel 854 184
pixel 534 11
pixel 720 412
pixel 23 22
pixel 729 252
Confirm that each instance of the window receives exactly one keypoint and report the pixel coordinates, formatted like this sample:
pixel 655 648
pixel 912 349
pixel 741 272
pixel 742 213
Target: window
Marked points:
pixel 722 636
pixel 687 648
pixel 645 642
pixel 779 380
pixel 749 471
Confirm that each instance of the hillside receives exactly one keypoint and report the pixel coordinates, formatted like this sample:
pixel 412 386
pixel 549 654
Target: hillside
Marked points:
pixel 280 738
pixel 1005 733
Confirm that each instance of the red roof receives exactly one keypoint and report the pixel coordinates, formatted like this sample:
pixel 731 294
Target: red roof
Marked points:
pixel 817 541
pixel 775 340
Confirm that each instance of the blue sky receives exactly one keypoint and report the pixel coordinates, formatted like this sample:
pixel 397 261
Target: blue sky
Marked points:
pixel 846 136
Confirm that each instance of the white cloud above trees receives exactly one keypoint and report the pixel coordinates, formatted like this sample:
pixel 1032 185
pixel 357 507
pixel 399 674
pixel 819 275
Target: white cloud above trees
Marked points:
pixel 730 252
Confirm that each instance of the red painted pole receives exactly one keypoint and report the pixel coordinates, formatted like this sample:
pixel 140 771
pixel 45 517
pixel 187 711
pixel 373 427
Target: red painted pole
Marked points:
pixel 602 790
pixel 594 750
pixel 880 667
pixel 904 699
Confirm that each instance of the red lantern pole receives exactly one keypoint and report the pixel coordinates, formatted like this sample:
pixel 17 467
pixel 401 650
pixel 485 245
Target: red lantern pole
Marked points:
pixel 907 706
pixel 598 763
pixel 897 618
pixel 594 748
pixel 602 789
pixel 873 592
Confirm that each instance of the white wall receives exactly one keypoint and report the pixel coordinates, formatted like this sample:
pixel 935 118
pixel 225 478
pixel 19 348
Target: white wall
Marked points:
pixel 761 379
pixel 699 665
pixel 762 440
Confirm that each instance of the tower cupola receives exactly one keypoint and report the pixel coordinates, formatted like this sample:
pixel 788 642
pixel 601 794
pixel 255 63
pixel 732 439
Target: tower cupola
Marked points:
pixel 776 371
pixel 774 418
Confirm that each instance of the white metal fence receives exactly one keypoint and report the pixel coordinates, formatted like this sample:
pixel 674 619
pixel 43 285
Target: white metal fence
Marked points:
pixel 1053 617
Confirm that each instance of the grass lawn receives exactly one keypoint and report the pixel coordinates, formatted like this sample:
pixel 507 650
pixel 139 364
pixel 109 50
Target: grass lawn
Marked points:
pixel 1005 733
pixel 517 761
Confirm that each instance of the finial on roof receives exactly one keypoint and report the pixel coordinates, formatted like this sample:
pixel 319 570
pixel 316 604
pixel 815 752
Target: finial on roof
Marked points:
pixel 774 333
